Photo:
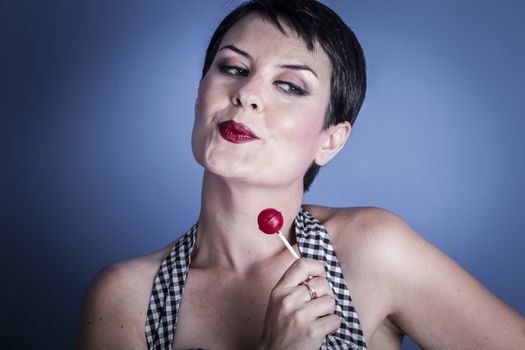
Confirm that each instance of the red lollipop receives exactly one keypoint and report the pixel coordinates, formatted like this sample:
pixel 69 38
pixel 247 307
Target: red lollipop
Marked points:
pixel 270 221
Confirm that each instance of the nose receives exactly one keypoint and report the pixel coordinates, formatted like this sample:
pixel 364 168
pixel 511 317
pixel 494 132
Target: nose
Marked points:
pixel 248 94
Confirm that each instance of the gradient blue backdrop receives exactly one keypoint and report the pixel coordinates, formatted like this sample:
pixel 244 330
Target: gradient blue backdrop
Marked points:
pixel 100 98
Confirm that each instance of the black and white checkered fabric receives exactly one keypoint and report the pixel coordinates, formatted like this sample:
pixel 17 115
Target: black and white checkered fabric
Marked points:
pixel 313 242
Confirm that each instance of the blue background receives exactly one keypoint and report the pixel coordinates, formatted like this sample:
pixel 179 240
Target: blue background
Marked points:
pixel 97 165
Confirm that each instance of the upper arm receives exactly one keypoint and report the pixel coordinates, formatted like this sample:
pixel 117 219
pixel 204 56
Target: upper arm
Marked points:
pixel 114 311
pixel 435 301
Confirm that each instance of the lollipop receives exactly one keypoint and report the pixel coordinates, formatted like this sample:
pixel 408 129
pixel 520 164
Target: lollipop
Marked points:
pixel 270 221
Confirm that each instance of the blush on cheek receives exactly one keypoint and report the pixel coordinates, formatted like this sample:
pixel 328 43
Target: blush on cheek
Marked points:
pixel 302 144
pixel 306 130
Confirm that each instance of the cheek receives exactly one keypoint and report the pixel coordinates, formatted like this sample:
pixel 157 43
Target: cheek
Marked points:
pixel 204 104
pixel 202 98
pixel 303 126
pixel 199 122
pixel 198 118
pixel 211 97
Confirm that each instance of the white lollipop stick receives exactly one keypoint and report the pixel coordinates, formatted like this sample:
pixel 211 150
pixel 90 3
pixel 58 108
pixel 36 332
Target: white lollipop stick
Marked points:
pixel 290 249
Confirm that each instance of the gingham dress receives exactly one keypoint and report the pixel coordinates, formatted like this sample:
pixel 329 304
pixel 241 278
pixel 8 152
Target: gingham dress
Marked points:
pixel 313 242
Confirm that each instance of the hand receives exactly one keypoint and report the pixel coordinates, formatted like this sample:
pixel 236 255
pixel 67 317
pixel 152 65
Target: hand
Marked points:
pixel 293 321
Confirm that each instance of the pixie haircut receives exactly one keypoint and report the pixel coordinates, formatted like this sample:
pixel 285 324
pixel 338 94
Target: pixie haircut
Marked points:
pixel 314 23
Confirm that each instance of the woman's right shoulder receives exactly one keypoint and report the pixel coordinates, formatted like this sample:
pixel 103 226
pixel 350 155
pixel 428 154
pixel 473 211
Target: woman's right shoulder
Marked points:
pixel 129 275
pixel 116 302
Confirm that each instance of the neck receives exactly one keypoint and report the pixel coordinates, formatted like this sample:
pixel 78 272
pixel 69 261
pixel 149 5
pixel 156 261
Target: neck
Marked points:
pixel 228 235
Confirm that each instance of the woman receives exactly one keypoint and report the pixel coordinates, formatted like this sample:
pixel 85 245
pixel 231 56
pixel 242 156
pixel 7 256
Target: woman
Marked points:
pixel 282 84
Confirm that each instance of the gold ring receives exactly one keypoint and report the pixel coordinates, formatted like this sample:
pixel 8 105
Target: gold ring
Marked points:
pixel 311 291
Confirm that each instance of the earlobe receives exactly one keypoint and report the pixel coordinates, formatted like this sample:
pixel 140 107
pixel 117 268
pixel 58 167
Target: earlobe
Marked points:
pixel 336 137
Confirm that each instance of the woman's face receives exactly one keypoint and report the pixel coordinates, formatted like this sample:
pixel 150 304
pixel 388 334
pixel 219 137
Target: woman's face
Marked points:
pixel 261 106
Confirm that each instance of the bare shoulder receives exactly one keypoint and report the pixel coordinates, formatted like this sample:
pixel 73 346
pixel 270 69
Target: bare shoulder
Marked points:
pixel 425 292
pixel 126 279
pixel 361 230
pixel 116 302
pixel 373 246
pixel 370 217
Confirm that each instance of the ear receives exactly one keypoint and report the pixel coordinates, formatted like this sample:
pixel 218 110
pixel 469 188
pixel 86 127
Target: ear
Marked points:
pixel 335 138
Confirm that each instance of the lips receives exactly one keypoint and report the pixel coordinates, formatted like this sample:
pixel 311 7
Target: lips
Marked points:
pixel 236 132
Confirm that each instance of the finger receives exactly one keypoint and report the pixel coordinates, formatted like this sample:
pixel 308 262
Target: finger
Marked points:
pixel 294 297
pixel 327 324
pixel 319 307
pixel 320 285
pixel 300 270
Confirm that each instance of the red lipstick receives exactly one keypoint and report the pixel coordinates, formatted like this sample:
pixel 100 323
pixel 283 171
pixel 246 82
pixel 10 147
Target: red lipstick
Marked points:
pixel 236 132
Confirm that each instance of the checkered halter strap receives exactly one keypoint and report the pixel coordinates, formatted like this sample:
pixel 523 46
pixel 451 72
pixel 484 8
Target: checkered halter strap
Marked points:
pixel 167 291
pixel 313 242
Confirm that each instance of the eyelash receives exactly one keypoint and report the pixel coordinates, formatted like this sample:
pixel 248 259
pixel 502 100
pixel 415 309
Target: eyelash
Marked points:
pixel 228 69
pixel 293 89
pixel 242 72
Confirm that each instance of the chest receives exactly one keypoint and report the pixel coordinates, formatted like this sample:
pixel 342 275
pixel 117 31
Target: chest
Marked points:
pixel 222 313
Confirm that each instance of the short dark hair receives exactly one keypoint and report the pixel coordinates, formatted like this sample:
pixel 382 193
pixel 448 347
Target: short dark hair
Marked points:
pixel 313 22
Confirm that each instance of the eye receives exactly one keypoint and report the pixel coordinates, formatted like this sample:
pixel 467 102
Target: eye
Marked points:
pixel 233 70
pixel 291 88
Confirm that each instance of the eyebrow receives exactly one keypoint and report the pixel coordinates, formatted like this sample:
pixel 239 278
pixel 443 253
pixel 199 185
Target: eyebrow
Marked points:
pixel 284 66
pixel 298 67
pixel 237 50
